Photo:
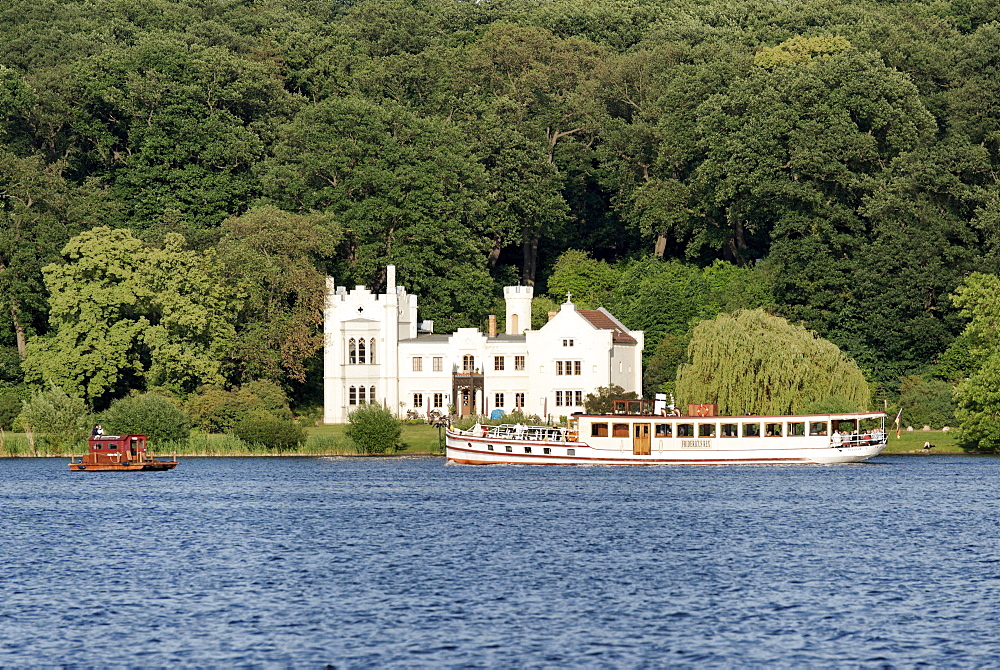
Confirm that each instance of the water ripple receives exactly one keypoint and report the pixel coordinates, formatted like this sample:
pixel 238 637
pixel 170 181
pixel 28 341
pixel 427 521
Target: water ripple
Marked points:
pixel 358 563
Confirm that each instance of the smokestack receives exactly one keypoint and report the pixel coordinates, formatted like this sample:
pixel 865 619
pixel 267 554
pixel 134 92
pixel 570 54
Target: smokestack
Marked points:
pixel 493 325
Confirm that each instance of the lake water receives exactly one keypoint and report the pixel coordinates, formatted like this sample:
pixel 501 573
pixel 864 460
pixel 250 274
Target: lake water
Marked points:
pixel 405 562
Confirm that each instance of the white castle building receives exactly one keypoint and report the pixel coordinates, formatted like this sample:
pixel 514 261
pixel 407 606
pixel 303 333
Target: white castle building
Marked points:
pixel 377 350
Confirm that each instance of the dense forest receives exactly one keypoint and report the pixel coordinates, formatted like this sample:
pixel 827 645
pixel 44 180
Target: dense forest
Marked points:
pixel 178 177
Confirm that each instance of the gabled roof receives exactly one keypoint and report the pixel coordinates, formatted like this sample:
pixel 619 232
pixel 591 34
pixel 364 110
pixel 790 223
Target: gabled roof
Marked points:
pixel 602 320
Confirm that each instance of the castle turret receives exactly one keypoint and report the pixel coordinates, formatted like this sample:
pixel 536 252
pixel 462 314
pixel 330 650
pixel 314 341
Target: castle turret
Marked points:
pixel 518 308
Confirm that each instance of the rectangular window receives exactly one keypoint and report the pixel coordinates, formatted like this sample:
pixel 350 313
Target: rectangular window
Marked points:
pixel 559 368
pixel 527 450
pixel 546 450
pixel 518 362
pixel 571 452
pixel 685 430
pixel 578 398
pixel 598 430
pixel 418 364
pixel 510 449
pixel 729 430
pixel 663 430
pixel 559 398
pixel 418 399
pixel 619 430
pixel 797 428
pixel 438 400
pixel 751 430
pixel 567 343
pixel 437 363
pixel 706 430
pixel 498 362
pixel 498 400
pixel 577 367
pixel 817 428
pixel 772 429
pixel 519 400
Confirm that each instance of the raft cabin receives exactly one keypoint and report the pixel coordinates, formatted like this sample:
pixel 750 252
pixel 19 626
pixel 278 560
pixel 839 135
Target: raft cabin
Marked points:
pixel 120 452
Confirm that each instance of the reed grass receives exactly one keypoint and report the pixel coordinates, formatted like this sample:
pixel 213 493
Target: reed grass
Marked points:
pixel 320 441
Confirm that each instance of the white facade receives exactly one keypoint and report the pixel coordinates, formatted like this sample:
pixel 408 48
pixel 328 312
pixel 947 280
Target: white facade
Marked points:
pixel 409 369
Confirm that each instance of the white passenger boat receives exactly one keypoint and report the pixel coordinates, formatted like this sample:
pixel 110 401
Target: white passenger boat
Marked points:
pixel 634 435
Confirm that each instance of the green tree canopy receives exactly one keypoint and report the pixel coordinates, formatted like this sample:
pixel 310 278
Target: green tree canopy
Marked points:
pixel 125 316
pixel 273 257
pixel 977 397
pixel 753 363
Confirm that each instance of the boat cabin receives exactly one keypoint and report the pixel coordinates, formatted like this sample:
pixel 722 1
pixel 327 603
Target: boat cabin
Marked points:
pixel 118 444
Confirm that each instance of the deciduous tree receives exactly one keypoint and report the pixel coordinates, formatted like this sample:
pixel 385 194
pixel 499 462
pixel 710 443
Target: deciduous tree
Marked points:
pixel 124 316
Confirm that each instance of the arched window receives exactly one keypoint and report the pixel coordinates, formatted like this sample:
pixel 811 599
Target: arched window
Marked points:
pixel 371 352
pixel 361 351
pixel 468 363
pixel 361 395
pixel 352 352
pixel 352 398
pixel 513 324
pixel 371 394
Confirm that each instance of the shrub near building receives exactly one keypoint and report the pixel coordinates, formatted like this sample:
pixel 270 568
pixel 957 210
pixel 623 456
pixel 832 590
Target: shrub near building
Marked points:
pixel 373 429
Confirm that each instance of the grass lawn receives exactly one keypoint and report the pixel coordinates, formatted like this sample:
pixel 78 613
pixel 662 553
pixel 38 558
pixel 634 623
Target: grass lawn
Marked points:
pixel 913 441
pixel 416 438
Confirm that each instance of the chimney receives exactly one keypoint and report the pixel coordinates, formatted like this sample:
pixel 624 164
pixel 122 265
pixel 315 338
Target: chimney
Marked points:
pixel 493 325
pixel 552 313
pixel 390 279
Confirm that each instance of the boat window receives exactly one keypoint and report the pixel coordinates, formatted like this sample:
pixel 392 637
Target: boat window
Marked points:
pixel 619 430
pixel 772 429
pixel 527 450
pixel 685 430
pixel 546 450
pixel 706 430
pixel 664 430
pixel 797 428
pixel 598 430
pixel 729 430
pixel 751 430
pixel 510 448
pixel 489 447
pixel 818 428
pixel 97 446
pixel 571 452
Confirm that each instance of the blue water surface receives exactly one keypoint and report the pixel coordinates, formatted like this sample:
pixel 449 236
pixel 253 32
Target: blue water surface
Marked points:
pixel 405 562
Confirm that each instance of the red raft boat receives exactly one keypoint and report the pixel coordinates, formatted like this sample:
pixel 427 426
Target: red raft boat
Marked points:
pixel 119 453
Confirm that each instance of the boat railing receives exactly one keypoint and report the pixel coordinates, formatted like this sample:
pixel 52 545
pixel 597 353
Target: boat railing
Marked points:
pixel 522 432
pixel 863 438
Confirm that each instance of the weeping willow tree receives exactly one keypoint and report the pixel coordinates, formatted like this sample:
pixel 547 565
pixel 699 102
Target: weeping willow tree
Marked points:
pixel 753 363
